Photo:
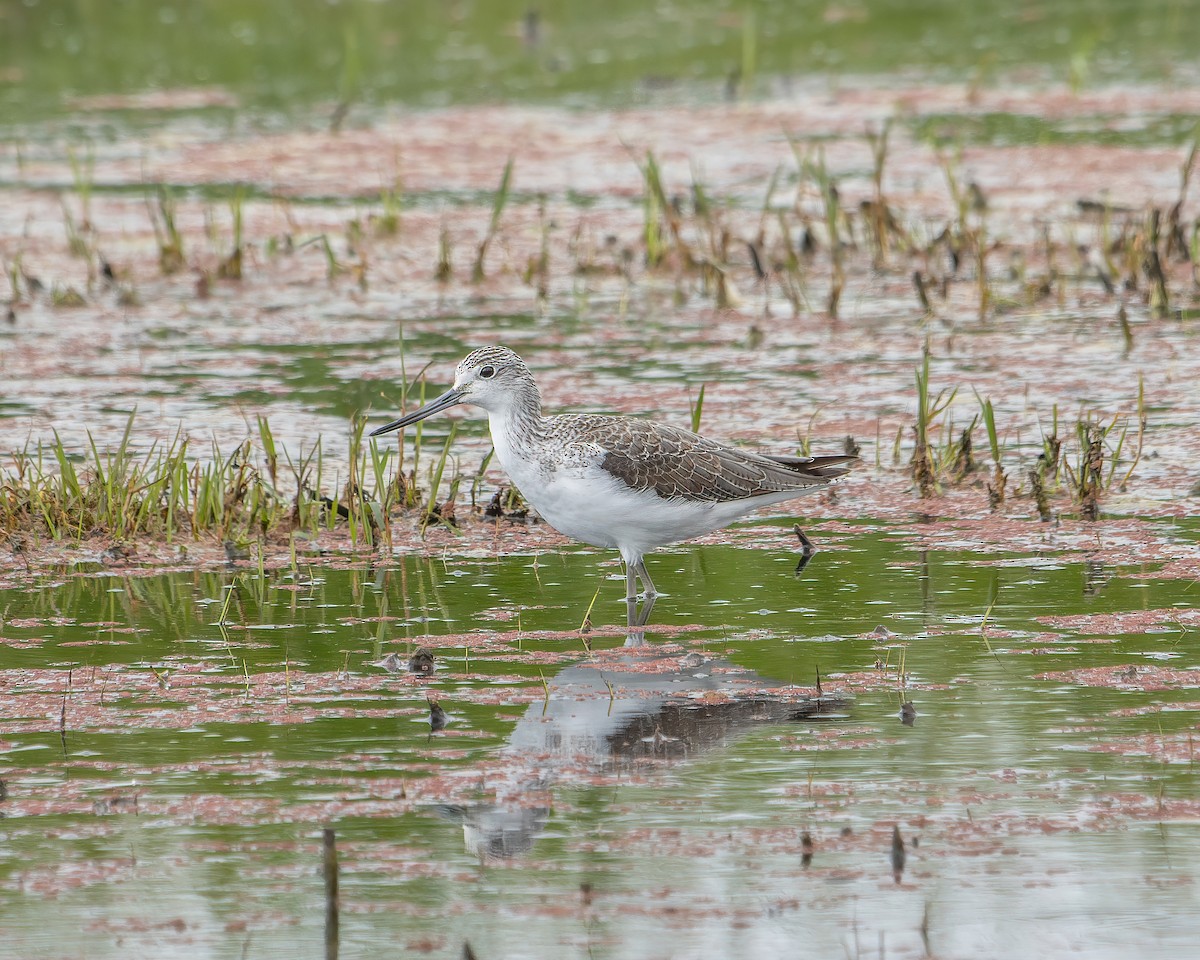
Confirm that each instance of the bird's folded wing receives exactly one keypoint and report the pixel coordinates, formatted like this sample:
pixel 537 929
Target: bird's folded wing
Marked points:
pixel 677 464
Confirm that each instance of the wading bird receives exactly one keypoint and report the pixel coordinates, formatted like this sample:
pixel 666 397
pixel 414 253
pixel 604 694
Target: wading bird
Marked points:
pixel 619 482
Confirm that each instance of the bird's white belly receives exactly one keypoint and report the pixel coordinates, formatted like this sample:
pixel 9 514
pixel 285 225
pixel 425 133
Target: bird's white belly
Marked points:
pixel 586 503
pixel 605 512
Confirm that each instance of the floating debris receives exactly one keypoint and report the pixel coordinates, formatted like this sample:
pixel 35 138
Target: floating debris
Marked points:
pixel 437 716
pixel 235 551
pixel 392 663
pixel 898 854
pixel 117 803
pixel 421 661
pixel 118 553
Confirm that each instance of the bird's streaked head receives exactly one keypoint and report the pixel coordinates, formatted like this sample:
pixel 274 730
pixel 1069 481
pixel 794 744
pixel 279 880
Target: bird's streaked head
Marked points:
pixel 493 378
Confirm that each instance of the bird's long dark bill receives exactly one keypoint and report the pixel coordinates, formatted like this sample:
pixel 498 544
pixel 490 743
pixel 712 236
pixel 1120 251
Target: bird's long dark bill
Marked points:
pixel 444 402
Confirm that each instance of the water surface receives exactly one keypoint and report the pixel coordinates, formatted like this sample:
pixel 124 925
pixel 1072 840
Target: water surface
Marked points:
pixel 641 799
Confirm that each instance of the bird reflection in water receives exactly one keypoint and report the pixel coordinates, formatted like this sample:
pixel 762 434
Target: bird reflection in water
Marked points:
pixel 629 709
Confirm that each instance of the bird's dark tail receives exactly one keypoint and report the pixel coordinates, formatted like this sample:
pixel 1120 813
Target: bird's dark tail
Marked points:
pixel 825 468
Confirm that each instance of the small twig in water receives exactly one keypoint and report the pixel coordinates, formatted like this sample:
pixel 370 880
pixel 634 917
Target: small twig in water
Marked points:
pixel 983 633
pixel 807 550
pixel 330 870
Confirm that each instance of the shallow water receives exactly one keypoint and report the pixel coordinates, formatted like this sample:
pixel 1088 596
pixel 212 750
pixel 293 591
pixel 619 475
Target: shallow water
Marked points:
pixel 182 801
pixel 225 58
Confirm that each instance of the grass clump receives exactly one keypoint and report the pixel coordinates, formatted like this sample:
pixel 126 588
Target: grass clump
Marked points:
pixel 163 494
pixel 246 494
pixel 167 234
pixel 659 210
pixel 926 463
pixel 997 485
pixel 812 168
pixel 498 205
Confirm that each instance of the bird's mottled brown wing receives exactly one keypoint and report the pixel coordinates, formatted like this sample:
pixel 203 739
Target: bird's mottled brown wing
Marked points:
pixel 678 464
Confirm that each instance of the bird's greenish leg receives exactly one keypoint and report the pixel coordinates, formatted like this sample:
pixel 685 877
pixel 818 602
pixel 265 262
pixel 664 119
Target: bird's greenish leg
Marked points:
pixel 649 593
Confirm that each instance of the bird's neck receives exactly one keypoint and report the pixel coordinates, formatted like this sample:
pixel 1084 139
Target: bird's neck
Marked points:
pixel 518 422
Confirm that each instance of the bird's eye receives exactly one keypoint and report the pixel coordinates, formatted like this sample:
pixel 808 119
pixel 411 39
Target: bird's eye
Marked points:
pixel 486 373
